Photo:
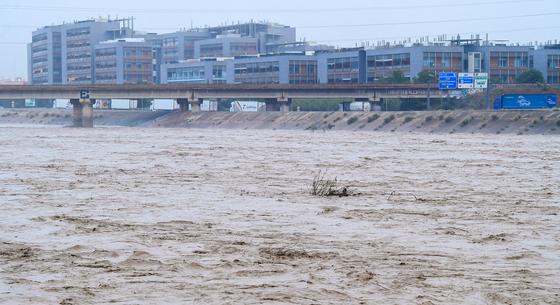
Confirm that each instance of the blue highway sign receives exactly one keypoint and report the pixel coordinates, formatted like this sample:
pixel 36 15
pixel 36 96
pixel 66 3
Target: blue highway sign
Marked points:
pixel 447 81
pixel 466 80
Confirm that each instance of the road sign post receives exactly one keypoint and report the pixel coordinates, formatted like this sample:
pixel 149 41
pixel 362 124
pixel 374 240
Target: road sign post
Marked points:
pixel 481 82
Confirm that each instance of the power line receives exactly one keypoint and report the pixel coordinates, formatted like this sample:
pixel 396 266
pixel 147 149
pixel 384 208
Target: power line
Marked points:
pixel 434 35
pixel 229 11
pixel 423 22
pixel 366 24
pixel 407 22
pixel 385 37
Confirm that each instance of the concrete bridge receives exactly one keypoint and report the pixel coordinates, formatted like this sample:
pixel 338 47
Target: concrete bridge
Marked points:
pixel 276 96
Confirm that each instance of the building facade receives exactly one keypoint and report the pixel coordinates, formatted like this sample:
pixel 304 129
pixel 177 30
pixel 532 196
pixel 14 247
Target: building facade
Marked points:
pixel 44 56
pixel 225 46
pixel 215 71
pixel 124 61
pixel 547 60
pixel 63 54
pixel 270 69
pixel 268 35
pixel 179 46
pixel 101 51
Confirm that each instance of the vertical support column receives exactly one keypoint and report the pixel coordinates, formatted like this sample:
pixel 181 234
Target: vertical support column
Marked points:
pixel 87 113
pixel 183 104
pixel 76 113
pixel 488 105
pixel 374 104
pixel 345 106
pixel 429 101
pixel 271 104
pixel 195 104
pixel 284 103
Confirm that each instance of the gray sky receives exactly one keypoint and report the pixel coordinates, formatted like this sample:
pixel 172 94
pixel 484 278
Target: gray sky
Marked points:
pixel 502 19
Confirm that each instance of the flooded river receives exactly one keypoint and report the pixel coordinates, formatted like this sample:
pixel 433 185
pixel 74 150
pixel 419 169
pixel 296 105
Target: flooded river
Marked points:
pixel 208 216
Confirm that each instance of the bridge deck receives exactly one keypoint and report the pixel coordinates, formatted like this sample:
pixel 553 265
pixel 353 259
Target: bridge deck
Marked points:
pixel 227 91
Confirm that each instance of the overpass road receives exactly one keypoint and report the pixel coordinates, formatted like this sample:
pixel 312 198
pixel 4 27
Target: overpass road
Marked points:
pixel 276 96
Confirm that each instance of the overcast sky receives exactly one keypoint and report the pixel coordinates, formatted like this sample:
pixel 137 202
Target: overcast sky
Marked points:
pixel 340 23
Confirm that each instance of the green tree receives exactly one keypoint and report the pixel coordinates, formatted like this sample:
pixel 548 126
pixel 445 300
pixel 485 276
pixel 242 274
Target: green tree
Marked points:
pixel 425 77
pixel 530 76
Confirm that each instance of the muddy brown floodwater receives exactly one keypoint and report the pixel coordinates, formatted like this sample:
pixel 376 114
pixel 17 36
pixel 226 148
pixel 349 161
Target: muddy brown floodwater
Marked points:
pixel 207 216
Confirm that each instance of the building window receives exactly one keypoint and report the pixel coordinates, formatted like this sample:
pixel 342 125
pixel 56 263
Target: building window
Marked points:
pixel 503 61
pixel 266 72
pixel 212 50
pixel 303 71
pixel 343 69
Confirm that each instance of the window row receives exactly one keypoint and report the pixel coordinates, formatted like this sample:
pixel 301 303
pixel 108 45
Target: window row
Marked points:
pixel 389 61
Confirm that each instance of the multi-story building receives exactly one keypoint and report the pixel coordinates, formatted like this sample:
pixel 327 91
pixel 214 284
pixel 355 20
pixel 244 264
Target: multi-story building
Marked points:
pixel 124 61
pixel 271 69
pixel 79 40
pixel 179 46
pixel 225 46
pixel 344 66
pixel 505 63
pixel 63 54
pixel 211 71
pixel 258 52
pixel 276 69
pixel 547 60
pixel 361 66
pixel 268 35
pixel 44 62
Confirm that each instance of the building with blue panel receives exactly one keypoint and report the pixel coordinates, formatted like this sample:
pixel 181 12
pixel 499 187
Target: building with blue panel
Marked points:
pixel 261 53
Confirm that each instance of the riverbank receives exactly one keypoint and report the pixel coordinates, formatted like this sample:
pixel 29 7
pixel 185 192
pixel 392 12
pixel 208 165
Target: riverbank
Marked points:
pixel 441 122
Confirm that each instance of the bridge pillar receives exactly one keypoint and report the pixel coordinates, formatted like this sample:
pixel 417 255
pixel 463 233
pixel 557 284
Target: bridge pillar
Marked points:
pixel 271 104
pixel 183 104
pixel 374 104
pixel 87 113
pixel 344 106
pixel 195 105
pixel 284 103
pixel 76 113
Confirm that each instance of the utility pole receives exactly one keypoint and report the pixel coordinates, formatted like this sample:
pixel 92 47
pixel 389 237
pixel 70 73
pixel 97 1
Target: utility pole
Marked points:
pixel 429 106
pixel 488 104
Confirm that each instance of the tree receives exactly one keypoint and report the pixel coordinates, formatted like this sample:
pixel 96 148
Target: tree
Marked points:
pixel 425 77
pixel 530 76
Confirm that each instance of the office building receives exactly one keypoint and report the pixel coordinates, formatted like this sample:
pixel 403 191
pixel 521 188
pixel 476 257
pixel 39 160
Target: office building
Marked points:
pixel 63 54
pixel 124 61
pixel 110 51
pixel 265 69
